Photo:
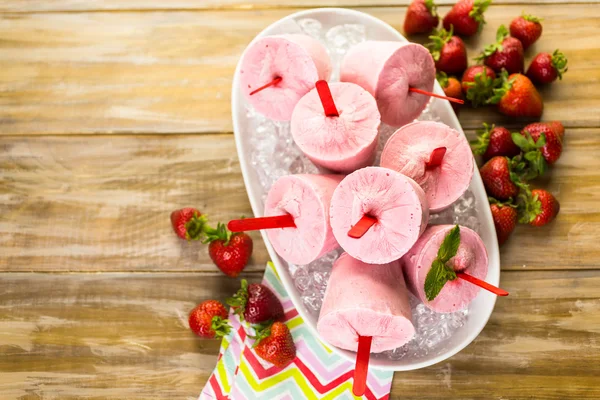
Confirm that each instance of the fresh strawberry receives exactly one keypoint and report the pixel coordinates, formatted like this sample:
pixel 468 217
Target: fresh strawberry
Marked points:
pixel 466 16
pixel 451 87
pixel 527 29
pixel 448 52
pixel 256 303
pixel 545 68
pixel 505 220
pixel 230 252
pixel 539 209
pixel 498 178
pixel 552 147
pixel 494 141
pixel 421 17
pixel 517 97
pixel 274 343
pixel 506 53
pixel 209 319
pixel 478 84
pixel 558 128
pixel 188 223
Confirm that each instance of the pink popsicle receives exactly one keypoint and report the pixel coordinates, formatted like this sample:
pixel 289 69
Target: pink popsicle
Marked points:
pixel 306 198
pixel 367 300
pixel 298 59
pixel 396 201
pixel 343 143
pixel 387 70
pixel 471 258
pixel 409 149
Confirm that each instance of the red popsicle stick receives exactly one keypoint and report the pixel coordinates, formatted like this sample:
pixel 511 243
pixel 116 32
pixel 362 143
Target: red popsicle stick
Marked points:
pixel 275 81
pixel 482 284
pixel 254 224
pixel 362 226
pixel 415 90
pixel 362 365
pixel 436 157
pixel 326 99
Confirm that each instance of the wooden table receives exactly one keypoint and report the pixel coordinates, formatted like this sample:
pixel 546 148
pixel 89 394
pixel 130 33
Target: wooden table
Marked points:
pixel 115 112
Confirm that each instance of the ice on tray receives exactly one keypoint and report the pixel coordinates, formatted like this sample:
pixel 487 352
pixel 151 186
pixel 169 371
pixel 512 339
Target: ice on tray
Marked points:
pixel 274 154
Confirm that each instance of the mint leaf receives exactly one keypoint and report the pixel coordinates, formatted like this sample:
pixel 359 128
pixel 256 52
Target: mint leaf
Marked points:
pixel 450 245
pixel 440 273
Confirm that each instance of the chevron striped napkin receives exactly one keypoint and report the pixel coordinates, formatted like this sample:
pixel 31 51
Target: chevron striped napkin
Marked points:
pixel 316 373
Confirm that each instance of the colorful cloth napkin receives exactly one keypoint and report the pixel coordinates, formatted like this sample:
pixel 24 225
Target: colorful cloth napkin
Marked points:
pixel 316 373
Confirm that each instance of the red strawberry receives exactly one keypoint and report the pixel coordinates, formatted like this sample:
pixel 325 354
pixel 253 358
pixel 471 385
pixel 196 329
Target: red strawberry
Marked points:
pixel 274 343
pixel 545 68
pixel 466 16
pixel 256 303
pixel 421 17
pixel 496 176
pixel 209 319
pixel 506 53
pixel 541 208
pixel 527 29
pixel 478 84
pixel 505 220
pixel 451 87
pixel 552 148
pixel 517 97
pixel 448 52
pixel 494 141
pixel 230 252
pixel 558 128
pixel 188 223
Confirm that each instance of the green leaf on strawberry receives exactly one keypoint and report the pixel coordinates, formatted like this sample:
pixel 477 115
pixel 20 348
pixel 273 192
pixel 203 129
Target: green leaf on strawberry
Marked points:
pixel 480 145
pixel 559 62
pixel 439 38
pixel 490 49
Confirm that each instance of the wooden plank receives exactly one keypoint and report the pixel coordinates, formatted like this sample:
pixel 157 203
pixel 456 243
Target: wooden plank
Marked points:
pixel 101 204
pixel 92 203
pixel 114 336
pixel 171 72
pixel 25 6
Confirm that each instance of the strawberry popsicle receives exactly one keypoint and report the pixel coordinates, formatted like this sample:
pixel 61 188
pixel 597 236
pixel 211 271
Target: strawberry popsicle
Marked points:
pixel 307 199
pixel 396 202
pixel 470 258
pixel 409 151
pixel 341 143
pixel 298 60
pixel 366 300
pixel 388 70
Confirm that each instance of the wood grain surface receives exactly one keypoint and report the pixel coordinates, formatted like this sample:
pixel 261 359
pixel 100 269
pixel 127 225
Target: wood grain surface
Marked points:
pixel 171 72
pixel 115 112
pixel 116 336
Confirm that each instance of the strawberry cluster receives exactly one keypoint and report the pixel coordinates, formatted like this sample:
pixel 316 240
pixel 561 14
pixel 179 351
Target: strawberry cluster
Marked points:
pixel 256 304
pixel 499 77
pixel 512 160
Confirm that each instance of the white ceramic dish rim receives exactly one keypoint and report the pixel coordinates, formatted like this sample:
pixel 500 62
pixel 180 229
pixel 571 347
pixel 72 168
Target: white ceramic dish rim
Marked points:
pixel 493 277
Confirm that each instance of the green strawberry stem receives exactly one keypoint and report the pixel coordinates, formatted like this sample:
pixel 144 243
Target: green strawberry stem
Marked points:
pixel 439 38
pixel 488 50
pixel 432 7
pixel 220 326
pixel 559 62
pixel 220 233
pixel 479 7
pixel 442 78
pixel 528 205
pixel 532 153
pixel 440 272
pixel 239 300
pixel 531 18
pixel 263 331
pixel 480 145
pixel 501 88
pixel 481 89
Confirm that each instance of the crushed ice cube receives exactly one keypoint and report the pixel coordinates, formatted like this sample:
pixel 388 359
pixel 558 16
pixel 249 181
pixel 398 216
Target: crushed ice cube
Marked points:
pixel 311 27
